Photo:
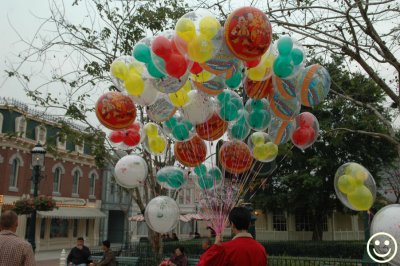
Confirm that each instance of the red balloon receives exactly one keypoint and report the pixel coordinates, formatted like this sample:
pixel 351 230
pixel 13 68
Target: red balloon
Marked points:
pixel 115 110
pixel 176 65
pixel 196 68
pixel 116 136
pixel 161 46
pixel 191 153
pixel 135 127
pixel 306 119
pixel 303 136
pixel 212 129
pixel 235 157
pixel 132 138
pixel 253 63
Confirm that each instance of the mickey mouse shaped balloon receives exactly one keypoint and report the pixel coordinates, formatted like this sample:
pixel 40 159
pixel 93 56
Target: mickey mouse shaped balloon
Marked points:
pixel 306 130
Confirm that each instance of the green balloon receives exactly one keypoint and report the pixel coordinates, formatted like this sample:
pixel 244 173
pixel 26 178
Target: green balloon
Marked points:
pixel 242 117
pixel 285 45
pixel 234 81
pixel 142 53
pixel 153 70
pixel 161 178
pixel 175 179
pixel 283 67
pixel 180 132
pixel 237 102
pixel 215 173
pixel 239 131
pixel 206 183
pixel 229 112
pixel 200 170
pixel 297 56
pixel 223 97
pixel 259 119
pixel 257 104
pixel 171 122
pixel 187 124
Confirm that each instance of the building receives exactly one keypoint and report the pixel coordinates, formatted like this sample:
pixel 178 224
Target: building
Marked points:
pixel 72 177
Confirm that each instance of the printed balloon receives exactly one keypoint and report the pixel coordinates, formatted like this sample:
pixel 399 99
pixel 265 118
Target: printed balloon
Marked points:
pixel 192 152
pixel 280 130
pixel 162 214
pixel 235 157
pixel 314 82
pixel 258 89
pixel 131 171
pixel 212 129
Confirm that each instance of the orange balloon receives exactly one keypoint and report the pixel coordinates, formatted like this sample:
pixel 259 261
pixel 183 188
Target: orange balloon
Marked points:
pixel 212 129
pixel 191 153
pixel 258 89
pixel 115 110
pixel 235 157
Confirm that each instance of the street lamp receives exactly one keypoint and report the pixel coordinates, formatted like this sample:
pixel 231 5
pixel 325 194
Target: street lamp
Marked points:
pixel 38 154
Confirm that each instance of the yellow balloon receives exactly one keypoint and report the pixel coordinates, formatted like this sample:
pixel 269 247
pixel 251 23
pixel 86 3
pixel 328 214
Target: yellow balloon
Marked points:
pixel 257 73
pixel 157 144
pixel 136 68
pixel 361 198
pixel 185 29
pixel 209 27
pixel 272 150
pixel 134 84
pixel 346 184
pixel 179 98
pixel 357 171
pixel 257 138
pixel 203 76
pixel 200 49
pixel 119 69
pixel 260 152
pixel 151 129
pixel 187 87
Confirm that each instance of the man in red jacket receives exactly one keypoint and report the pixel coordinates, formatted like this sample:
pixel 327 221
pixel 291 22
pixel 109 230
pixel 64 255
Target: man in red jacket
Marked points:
pixel 242 250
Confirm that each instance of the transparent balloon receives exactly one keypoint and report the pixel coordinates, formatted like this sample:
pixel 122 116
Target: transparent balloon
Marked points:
pixel 154 141
pixel 199 35
pixel 207 178
pixel 355 187
pixel 131 171
pixel 162 214
pixel 263 70
pixel 170 84
pixel 192 152
pixel 171 177
pixel 240 128
pixel 259 114
pixel 128 138
pixel 287 88
pixel 199 108
pixel 162 109
pixel 181 97
pixel 262 147
pixel 179 128
pixel 306 130
pixel 314 82
pixel 280 130
pixel 290 59
pixel 142 53
pixel 387 220
pixel 229 104
pixel 235 157
pixel 149 95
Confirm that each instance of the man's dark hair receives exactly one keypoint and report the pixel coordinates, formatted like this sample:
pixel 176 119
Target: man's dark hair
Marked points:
pixel 8 219
pixel 182 249
pixel 240 217
pixel 80 238
pixel 106 243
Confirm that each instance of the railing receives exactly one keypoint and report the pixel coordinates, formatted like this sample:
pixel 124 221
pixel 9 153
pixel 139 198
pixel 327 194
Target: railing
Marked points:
pixel 39 114
pixel 263 235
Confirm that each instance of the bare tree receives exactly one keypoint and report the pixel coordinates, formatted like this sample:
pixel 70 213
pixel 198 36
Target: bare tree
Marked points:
pixel 391 183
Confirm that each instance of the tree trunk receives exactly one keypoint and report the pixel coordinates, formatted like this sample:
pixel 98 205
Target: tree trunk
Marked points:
pixel 318 227
pixel 156 246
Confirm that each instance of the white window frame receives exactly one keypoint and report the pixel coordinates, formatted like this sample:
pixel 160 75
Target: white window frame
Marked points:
pixel 38 130
pixel 80 174
pixel 62 145
pixel 57 174
pixel 79 148
pixel 20 126
pixel 96 177
pixel 14 176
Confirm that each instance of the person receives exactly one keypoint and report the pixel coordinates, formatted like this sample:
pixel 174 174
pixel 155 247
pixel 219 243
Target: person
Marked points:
pixel 174 237
pixel 179 258
pixel 13 250
pixel 205 244
pixel 241 250
pixel 79 255
pixel 108 257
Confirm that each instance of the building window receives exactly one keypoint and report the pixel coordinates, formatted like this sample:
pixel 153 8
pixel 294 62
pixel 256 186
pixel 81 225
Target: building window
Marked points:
pixel 92 183
pixel 79 148
pixel 75 183
pixel 20 126
pixel 42 228
pixel 61 143
pixel 87 227
pixel 279 222
pixel 14 173
pixel 304 222
pixel 57 180
pixel 58 228
pixel 75 227
pixel 142 228
pixel 40 134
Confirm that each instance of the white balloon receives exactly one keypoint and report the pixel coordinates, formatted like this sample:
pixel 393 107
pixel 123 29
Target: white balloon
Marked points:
pixel 131 171
pixel 162 214
pixel 387 220
pixel 199 107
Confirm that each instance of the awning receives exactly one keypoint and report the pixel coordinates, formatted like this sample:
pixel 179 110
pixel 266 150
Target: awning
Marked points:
pixel 140 218
pixel 195 216
pixel 73 213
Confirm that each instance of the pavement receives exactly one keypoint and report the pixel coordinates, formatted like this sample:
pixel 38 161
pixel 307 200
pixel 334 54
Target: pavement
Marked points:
pixel 48 258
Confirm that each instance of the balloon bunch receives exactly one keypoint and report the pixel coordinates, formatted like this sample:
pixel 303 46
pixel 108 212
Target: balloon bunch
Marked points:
pixel 355 186
pixel 128 72
pixel 306 130
pixel 208 178
pixel 180 97
pixel 229 105
pixel 289 59
pixel 179 128
pixel 259 114
pixel 132 136
pixel 263 149
pixel 142 53
pixel 171 177
pixel 155 142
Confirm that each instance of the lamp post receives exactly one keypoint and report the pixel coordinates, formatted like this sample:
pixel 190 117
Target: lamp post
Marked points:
pixel 38 155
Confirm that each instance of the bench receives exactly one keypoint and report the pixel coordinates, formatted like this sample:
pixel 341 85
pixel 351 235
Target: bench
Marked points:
pixel 192 261
pixel 121 261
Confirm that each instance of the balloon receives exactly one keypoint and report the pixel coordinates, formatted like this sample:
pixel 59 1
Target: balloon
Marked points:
pixel 287 88
pixel 280 131
pixel 176 66
pixel 207 178
pixel 161 46
pixel 151 129
pixel 235 157
pixel 239 129
pixel 387 220
pixel 212 129
pixel 115 110
pixel 355 187
pixel 285 45
pixel 262 147
pixel 149 94
pixel 248 33
pixel 297 56
pixel 154 71
pixel 162 214
pixel 259 114
pixel 132 138
pixel 229 105
pixel 142 53
pixel 258 89
pixel 285 109
pixel 192 152
pixel 185 29
pixel 156 145
pixel 306 130
pixel 314 82
pixel 200 49
pixel 234 81
pixel 131 171
pixel 196 68
pixel 128 74
pixel 116 136
pixel 199 108
pixel 213 86
pixel 162 109
pixel 171 177
pixel 119 69
pixel 180 98
pixel 134 84
pixel 179 128
pixel 290 59
pixel 209 27
pixel 251 64
pixel 263 70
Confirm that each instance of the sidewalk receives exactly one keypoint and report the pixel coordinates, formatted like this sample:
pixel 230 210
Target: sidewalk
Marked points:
pixel 48 258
